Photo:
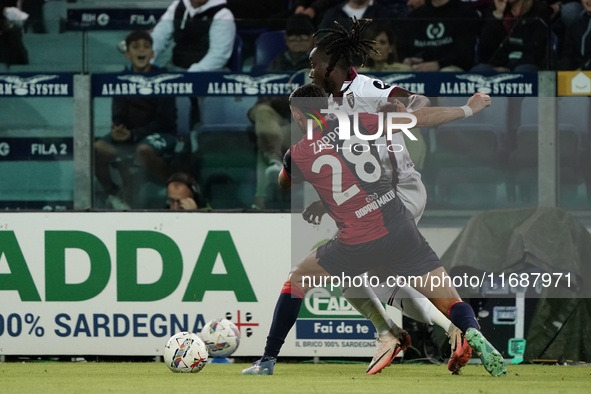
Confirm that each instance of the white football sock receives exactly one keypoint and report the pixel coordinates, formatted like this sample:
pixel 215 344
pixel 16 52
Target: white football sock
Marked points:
pixel 412 304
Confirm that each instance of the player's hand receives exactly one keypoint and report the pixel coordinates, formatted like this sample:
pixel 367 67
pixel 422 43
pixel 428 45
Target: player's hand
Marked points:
pixel 313 214
pixel 499 8
pixel 426 67
pixel 415 3
pixel 478 102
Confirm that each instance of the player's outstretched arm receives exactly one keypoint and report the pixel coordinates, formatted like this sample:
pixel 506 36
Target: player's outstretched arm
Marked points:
pixel 435 116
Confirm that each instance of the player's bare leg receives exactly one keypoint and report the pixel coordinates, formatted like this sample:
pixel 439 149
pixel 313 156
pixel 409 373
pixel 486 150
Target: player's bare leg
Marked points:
pixel 448 301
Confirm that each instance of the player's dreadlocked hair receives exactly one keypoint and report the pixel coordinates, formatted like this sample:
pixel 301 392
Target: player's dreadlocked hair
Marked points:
pixel 341 43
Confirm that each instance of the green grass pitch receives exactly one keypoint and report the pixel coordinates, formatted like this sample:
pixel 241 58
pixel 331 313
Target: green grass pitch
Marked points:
pixel 289 378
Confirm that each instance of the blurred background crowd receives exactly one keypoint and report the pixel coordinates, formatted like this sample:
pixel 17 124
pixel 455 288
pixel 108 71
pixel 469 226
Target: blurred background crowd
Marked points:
pixel 173 144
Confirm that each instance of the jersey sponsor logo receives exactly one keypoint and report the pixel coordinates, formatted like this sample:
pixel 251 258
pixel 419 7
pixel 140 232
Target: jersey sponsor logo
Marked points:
pixel 375 204
pixel 351 100
pixel 146 86
pixel 435 31
pixel 493 84
pixel 434 43
pixel 245 84
pixel 381 85
pixel 372 197
pixel 32 86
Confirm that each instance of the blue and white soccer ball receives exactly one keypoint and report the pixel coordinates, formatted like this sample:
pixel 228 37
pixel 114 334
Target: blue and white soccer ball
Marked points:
pixel 221 337
pixel 185 352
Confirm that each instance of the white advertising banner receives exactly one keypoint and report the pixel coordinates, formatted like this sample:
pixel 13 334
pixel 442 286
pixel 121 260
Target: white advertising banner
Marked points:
pixel 123 283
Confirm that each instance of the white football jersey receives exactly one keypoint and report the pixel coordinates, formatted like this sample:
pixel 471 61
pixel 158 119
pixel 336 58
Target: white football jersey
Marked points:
pixel 364 94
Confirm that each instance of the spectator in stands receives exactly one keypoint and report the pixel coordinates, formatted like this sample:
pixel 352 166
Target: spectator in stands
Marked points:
pixel 315 9
pixel 258 9
pixel 515 37
pixel 203 32
pixel 12 19
pixel 576 54
pixel 362 9
pixel 385 44
pixel 441 36
pixel 183 193
pixel 142 128
pixel 271 115
pixel 399 8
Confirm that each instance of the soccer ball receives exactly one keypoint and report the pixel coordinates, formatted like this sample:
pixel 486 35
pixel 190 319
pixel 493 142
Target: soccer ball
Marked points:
pixel 185 352
pixel 221 337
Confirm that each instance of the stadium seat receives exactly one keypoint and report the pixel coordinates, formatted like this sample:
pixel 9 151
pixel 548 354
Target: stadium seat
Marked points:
pixel 54 12
pixel 573 123
pixel 226 113
pixel 267 47
pixel 36 180
pixel 102 49
pixel 65 52
pixel 464 164
pixel 235 62
pixel 228 165
pixel 37 117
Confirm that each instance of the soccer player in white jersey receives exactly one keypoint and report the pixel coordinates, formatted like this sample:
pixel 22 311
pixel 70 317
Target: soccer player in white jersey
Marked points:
pixel 331 63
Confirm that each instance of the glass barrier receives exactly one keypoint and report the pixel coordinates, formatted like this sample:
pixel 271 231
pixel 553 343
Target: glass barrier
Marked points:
pixel 228 139
pixel 575 159
pixel 36 144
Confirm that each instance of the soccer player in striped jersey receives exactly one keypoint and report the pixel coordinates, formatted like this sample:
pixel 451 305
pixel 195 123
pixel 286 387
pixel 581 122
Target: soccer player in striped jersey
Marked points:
pixel 332 68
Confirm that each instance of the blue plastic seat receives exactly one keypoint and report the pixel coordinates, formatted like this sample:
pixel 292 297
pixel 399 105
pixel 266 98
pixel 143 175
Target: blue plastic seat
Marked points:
pixel 267 47
pixel 235 62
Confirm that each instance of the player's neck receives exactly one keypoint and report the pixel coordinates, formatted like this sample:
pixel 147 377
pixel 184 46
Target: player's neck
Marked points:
pixel 341 76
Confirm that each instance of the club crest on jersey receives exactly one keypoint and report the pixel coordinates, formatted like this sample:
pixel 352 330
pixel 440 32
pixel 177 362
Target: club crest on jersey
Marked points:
pixel 381 85
pixel 351 100
pixel 372 197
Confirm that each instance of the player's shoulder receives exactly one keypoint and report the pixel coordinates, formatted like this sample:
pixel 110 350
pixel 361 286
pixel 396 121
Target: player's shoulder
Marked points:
pixel 371 87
